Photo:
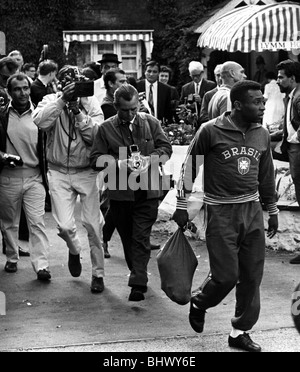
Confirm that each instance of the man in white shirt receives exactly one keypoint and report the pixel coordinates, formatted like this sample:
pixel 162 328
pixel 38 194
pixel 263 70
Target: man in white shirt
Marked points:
pixel 108 61
pixel 158 95
pixel 289 83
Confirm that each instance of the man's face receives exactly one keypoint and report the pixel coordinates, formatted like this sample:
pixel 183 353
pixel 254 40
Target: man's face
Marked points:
pixel 239 74
pixel 31 72
pixel 107 66
pixel 4 75
pixel 196 76
pixel 253 108
pixel 20 93
pixel 164 77
pixel 121 79
pixel 286 84
pixel 152 74
pixel 218 78
pixel 127 110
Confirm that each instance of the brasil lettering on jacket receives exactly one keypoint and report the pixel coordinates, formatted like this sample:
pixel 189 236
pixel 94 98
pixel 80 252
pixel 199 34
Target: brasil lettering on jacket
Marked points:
pixel 242 151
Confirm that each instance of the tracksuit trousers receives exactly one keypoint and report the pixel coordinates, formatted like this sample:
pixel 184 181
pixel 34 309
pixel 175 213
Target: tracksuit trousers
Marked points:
pixel 235 240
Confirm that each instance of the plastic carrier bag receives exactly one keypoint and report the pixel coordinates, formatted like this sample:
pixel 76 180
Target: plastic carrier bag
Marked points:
pixel 177 264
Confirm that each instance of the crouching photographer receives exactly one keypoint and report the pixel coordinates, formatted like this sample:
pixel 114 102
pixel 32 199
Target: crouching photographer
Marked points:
pixel 71 118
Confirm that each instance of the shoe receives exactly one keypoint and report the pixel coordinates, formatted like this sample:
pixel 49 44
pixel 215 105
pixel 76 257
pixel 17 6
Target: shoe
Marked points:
pixel 44 275
pixel 74 265
pixel 97 285
pixel 137 293
pixel 295 260
pixel 155 247
pixel 244 342
pixel 11 267
pixel 23 253
pixel 196 317
pixel 105 248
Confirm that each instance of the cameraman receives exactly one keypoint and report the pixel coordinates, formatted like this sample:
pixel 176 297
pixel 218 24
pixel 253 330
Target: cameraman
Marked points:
pixel 21 178
pixel 134 209
pixel 71 123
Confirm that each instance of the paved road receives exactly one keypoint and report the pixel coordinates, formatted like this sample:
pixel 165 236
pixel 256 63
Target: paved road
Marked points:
pixel 65 316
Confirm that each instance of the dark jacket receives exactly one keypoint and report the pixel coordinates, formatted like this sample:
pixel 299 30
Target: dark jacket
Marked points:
pixel 40 147
pixel 189 88
pixel 113 139
pixel 164 99
pixel 295 120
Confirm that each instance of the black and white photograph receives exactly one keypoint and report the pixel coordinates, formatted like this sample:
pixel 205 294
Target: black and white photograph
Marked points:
pixel 149 179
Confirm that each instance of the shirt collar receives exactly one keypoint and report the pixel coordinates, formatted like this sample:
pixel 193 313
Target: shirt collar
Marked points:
pixel 154 84
pixel 11 107
pixel 292 93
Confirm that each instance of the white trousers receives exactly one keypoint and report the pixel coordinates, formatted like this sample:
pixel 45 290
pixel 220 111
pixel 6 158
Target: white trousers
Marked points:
pixel 64 190
pixel 29 192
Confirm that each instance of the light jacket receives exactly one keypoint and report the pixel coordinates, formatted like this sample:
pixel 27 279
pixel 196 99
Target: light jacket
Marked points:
pixel 69 137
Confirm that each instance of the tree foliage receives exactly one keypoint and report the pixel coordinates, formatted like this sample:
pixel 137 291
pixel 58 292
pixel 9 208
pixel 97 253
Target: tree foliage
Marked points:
pixel 29 24
pixel 175 44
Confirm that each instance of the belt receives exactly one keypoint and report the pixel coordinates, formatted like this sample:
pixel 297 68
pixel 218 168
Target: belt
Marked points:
pixel 65 170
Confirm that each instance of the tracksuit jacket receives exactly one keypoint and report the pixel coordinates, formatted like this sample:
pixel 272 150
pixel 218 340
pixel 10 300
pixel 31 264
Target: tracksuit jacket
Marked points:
pixel 238 167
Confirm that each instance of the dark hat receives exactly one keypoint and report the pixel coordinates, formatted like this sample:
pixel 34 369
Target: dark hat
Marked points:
pixel 109 57
pixel 260 60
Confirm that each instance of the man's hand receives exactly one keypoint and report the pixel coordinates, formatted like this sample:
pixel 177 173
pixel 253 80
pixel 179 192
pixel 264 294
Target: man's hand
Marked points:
pixel 273 226
pixel 181 217
pixel 68 92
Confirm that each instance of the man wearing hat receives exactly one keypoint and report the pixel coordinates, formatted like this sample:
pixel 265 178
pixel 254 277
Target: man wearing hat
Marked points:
pixel 108 61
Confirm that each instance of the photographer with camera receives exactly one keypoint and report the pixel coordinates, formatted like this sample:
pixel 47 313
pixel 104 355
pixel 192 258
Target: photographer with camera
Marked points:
pixel 21 178
pixel 129 147
pixel 71 118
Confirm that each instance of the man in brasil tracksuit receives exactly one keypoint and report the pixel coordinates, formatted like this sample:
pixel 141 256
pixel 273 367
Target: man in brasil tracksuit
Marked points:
pixel 238 175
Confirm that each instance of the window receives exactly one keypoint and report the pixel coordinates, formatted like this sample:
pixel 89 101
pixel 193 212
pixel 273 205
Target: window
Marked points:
pixel 129 52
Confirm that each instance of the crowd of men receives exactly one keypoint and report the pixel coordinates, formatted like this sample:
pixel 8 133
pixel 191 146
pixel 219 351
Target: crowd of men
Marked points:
pixel 60 140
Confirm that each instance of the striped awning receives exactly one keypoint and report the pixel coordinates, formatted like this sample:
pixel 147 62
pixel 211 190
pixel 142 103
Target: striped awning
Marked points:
pixel 255 28
pixel 108 36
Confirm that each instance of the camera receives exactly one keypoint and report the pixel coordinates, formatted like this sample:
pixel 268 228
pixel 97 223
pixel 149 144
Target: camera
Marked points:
pixel 135 157
pixel 12 160
pixel 83 87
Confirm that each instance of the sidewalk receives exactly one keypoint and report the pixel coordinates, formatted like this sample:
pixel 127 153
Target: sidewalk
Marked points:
pixel 66 316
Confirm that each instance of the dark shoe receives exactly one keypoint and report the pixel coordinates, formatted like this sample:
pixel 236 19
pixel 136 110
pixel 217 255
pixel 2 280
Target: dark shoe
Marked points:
pixel 196 317
pixel 74 265
pixel 295 260
pixel 11 267
pixel 23 253
pixel 137 293
pixel 105 248
pixel 44 275
pixel 244 342
pixel 97 285
pixel 155 247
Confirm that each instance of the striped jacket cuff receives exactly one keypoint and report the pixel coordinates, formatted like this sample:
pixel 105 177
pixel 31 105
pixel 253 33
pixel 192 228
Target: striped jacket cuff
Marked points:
pixel 272 209
pixel 181 204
